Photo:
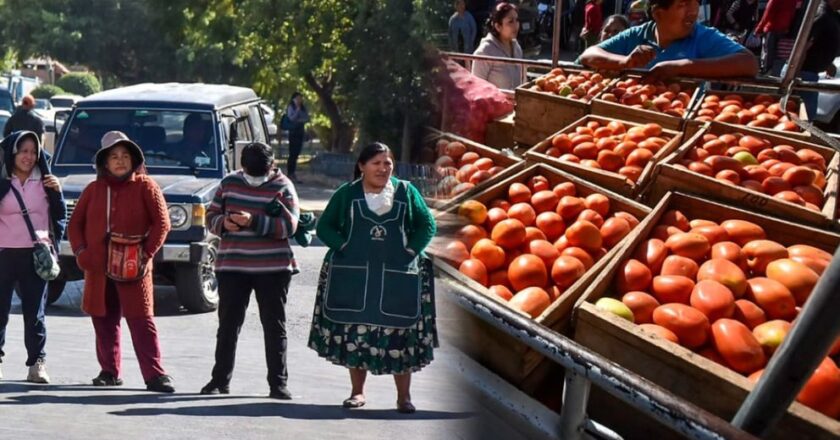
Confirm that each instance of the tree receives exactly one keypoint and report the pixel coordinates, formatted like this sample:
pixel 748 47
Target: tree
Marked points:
pixel 362 62
pixel 46 91
pixel 79 83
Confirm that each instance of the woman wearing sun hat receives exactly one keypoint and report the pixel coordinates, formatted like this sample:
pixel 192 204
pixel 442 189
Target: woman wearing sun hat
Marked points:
pixel 119 224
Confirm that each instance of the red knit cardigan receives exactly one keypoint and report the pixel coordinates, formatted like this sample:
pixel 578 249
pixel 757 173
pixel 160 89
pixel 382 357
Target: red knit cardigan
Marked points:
pixel 137 208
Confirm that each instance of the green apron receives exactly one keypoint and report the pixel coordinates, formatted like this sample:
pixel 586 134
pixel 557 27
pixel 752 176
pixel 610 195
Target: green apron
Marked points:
pixel 373 279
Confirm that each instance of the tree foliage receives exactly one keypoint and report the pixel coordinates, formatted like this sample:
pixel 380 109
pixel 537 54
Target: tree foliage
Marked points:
pixel 46 91
pixel 79 83
pixel 360 64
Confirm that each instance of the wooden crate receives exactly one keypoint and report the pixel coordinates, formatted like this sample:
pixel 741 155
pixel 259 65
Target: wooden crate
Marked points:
pixel 610 180
pixel 512 164
pixel 538 114
pixel 626 113
pixel 501 352
pixel 802 113
pixel 686 374
pixel 499 133
pixel 669 177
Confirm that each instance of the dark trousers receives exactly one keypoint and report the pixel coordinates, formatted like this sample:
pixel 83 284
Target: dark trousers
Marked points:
pixel 234 295
pixel 17 269
pixel 143 335
pixel 769 48
pixel 295 147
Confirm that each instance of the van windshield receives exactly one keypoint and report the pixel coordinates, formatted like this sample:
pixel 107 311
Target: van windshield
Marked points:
pixel 168 138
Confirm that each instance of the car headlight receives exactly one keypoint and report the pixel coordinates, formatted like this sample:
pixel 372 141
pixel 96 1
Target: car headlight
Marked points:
pixel 178 216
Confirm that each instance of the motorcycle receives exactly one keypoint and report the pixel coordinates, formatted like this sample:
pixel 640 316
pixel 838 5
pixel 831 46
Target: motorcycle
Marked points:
pixel 528 36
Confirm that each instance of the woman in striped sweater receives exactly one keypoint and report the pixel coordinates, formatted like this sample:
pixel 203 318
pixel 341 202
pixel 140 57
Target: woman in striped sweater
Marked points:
pixel 255 212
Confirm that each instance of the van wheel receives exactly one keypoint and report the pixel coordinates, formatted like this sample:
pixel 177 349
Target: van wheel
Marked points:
pixel 197 286
pixel 54 290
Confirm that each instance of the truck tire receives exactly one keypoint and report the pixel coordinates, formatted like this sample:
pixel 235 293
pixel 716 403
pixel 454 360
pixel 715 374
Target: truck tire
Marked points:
pixel 54 290
pixel 197 286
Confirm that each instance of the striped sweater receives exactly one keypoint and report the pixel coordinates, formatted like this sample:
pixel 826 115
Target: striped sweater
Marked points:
pixel 264 246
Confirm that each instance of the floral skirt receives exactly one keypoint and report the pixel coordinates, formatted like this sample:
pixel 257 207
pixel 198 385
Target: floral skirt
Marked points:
pixel 377 349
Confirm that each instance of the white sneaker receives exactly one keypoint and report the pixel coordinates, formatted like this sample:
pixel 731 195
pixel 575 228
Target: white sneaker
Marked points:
pixel 38 373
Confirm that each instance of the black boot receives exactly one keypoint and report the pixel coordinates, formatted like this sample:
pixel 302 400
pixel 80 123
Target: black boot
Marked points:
pixel 161 384
pixel 214 387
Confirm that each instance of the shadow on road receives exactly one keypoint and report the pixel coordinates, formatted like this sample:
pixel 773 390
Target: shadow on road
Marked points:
pixel 294 411
pixel 108 397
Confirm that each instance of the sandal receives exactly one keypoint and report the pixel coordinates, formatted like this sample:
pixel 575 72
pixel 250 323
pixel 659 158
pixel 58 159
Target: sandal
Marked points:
pixel 353 402
pixel 406 407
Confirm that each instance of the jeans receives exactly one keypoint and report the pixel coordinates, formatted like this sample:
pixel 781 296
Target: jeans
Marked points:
pixel 809 98
pixel 17 268
pixel 234 295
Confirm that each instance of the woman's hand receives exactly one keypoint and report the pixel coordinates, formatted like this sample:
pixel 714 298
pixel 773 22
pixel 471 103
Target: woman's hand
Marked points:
pixel 81 260
pixel 242 219
pixel 229 225
pixel 52 183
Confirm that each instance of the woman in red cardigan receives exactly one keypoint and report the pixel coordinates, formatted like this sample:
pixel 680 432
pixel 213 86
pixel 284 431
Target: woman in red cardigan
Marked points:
pixel 137 208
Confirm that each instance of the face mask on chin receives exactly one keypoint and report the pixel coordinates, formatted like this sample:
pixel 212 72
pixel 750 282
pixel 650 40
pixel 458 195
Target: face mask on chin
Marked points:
pixel 255 181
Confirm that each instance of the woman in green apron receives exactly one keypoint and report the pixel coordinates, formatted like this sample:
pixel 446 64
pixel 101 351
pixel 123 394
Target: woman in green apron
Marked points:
pixel 374 311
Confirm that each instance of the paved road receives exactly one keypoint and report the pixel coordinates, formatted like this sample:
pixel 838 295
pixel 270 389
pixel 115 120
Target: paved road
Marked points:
pixel 71 409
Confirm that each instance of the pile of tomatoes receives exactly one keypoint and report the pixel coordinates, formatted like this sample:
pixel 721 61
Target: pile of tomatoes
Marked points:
pixel 763 111
pixel 611 147
pixel 671 99
pixel 726 291
pixel 795 175
pixel 461 169
pixel 583 86
pixel 528 247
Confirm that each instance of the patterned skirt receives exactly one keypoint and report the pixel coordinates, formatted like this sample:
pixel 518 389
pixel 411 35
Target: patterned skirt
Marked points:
pixel 377 349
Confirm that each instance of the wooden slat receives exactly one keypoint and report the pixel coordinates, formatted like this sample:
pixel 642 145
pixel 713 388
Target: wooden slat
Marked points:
pixel 612 181
pixel 689 181
pixel 499 133
pixel 539 114
pixel 685 373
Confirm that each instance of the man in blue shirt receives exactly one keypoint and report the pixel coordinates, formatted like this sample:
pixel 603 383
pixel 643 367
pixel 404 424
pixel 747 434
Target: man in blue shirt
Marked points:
pixel 673 44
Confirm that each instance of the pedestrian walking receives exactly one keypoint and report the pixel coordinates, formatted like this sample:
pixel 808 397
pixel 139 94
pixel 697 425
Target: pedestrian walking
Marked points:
pixel 592 23
pixel 255 212
pixel 774 24
pixel 24 120
pixel 462 29
pixel 119 224
pixel 298 116
pixel 32 213
pixel 374 311
pixel 502 28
